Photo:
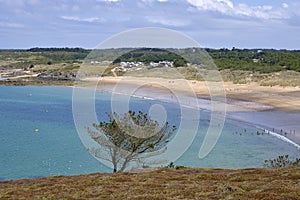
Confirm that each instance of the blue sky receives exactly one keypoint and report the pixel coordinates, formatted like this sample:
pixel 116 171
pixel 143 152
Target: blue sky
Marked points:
pixel 212 23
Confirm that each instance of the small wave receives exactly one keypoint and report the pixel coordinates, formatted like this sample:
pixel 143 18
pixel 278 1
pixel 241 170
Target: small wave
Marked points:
pixel 143 97
pixel 282 138
pixel 148 98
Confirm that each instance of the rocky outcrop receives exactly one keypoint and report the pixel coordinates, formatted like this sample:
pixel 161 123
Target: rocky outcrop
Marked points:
pixel 57 75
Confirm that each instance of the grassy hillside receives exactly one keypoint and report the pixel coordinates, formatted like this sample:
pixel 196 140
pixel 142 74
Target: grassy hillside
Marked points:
pixel 283 183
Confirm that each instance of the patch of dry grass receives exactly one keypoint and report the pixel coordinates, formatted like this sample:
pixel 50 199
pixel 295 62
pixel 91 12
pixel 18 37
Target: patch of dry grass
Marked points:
pixel 283 78
pixel 162 184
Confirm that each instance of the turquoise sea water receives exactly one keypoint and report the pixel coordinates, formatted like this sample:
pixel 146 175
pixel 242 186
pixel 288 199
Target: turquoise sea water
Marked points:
pixel 57 150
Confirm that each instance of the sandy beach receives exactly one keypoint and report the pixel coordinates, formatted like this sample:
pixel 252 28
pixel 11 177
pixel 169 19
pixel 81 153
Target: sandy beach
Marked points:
pixel 244 97
pixel 274 107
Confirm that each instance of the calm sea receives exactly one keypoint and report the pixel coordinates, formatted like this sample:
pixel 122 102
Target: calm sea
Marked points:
pixel 38 137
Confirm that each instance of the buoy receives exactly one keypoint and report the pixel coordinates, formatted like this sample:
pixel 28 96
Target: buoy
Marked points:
pixel 30 95
pixel 36 130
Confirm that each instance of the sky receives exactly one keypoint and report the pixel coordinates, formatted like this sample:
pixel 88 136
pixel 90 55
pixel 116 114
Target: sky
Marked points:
pixel 212 23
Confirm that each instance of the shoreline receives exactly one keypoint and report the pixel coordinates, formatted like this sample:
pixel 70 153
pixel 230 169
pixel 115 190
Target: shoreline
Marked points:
pixel 259 126
pixel 270 138
pixel 281 137
pixel 251 112
pixel 248 97
pixel 238 108
pixel 295 141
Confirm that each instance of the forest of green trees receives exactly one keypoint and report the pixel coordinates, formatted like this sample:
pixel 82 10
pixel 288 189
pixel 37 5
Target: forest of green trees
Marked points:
pixel 262 60
pixel 147 55
pixel 259 60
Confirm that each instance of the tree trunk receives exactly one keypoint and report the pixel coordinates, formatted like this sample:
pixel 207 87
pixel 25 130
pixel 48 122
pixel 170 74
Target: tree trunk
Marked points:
pixel 114 161
pixel 128 158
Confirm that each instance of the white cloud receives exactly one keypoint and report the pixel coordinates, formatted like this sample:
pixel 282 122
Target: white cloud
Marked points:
pixel 227 7
pixel 153 1
pixel 108 0
pixel 11 25
pixel 167 22
pixel 285 5
pixel 222 6
pixel 78 19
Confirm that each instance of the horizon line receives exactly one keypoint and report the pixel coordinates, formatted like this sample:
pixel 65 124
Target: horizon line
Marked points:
pixel 214 48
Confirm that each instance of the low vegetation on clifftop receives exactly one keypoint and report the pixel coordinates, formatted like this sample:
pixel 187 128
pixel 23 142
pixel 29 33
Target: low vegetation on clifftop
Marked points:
pixel 282 183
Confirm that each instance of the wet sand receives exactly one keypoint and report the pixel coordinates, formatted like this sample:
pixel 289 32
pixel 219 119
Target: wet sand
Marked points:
pixel 275 108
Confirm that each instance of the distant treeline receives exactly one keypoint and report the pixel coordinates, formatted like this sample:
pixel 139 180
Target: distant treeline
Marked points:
pixel 53 49
pixel 261 60
pixel 148 55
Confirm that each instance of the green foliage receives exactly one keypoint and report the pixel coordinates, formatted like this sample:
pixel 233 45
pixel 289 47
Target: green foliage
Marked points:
pixel 53 49
pixel 147 55
pixel 260 60
pixel 127 137
pixel 171 165
pixel 282 161
pixel 36 56
pixel 255 60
